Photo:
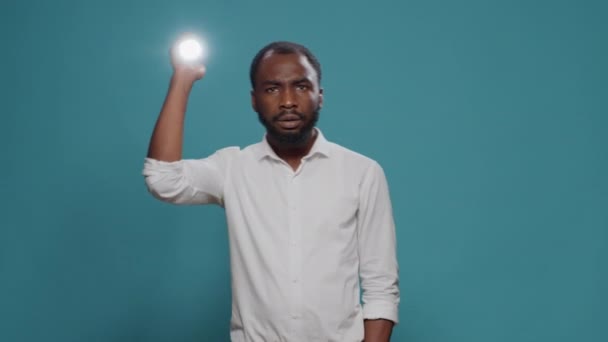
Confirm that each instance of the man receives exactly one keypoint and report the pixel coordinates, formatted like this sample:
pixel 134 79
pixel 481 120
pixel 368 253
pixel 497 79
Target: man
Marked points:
pixel 310 223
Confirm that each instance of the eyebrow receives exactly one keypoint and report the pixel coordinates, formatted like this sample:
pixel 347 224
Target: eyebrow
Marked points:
pixel 302 80
pixel 276 82
pixel 271 82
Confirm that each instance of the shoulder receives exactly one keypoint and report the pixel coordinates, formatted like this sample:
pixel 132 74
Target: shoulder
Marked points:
pixel 223 155
pixel 237 154
pixel 238 151
pixel 351 158
pixel 353 165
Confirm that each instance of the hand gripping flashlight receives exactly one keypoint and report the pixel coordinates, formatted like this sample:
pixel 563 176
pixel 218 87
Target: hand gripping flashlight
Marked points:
pixel 190 49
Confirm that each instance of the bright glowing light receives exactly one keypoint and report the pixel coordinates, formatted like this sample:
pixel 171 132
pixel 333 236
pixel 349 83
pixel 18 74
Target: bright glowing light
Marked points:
pixel 190 49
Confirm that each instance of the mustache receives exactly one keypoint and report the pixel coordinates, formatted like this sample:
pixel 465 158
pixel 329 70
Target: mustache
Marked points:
pixel 283 113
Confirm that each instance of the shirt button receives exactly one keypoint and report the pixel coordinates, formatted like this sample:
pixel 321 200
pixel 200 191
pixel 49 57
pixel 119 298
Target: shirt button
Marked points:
pixel 294 280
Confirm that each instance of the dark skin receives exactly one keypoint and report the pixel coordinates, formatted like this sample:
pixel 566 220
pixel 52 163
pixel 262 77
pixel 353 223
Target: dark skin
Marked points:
pixel 289 83
pixel 294 88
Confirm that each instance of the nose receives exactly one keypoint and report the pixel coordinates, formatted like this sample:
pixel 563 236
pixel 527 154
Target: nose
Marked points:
pixel 288 99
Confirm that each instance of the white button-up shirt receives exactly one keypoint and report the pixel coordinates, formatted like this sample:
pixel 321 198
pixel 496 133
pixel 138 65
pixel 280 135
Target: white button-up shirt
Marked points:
pixel 302 243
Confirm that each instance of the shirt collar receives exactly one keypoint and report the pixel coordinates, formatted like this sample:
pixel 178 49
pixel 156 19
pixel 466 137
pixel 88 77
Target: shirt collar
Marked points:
pixel 320 147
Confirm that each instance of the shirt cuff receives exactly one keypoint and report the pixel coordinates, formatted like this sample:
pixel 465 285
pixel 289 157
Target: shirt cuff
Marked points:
pixel 387 311
pixel 154 167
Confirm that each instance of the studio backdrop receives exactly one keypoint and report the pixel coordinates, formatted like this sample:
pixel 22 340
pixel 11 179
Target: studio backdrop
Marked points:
pixel 489 118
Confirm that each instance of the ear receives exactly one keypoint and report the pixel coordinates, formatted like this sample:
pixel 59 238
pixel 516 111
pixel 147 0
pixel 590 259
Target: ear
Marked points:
pixel 320 97
pixel 253 102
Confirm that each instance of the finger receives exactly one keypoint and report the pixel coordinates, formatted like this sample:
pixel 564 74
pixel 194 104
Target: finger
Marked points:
pixel 200 72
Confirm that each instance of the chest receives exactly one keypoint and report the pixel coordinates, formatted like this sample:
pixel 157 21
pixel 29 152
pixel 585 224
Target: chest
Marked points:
pixel 316 194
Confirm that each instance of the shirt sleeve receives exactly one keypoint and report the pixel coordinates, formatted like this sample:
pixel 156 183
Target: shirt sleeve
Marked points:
pixel 379 270
pixel 190 181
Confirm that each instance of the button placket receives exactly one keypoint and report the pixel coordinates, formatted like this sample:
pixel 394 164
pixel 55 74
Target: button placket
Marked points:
pixel 294 250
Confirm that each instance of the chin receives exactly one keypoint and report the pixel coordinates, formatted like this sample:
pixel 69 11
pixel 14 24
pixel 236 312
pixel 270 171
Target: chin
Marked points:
pixel 291 137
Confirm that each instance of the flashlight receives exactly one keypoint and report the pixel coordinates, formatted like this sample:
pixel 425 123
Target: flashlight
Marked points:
pixel 190 49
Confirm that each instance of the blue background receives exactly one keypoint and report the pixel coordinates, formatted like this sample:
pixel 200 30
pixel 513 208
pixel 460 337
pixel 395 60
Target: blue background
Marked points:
pixel 489 118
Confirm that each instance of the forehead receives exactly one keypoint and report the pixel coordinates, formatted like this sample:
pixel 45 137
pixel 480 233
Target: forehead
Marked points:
pixel 278 66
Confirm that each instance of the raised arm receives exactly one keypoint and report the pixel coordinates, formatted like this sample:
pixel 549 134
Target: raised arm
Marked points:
pixel 167 137
pixel 169 177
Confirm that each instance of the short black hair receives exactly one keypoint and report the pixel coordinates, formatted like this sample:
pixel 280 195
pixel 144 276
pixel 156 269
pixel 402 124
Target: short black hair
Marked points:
pixel 283 47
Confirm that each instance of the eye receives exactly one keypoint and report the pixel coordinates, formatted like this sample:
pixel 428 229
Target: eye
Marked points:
pixel 271 89
pixel 302 87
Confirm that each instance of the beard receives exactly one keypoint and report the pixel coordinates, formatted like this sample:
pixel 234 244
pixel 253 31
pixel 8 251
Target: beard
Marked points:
pixel 292 139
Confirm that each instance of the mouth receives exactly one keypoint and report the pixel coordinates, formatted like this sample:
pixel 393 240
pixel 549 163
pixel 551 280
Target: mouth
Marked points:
pixel 289 124
pixel 289 121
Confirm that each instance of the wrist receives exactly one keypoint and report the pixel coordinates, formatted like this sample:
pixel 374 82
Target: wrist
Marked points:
pixel 182 82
